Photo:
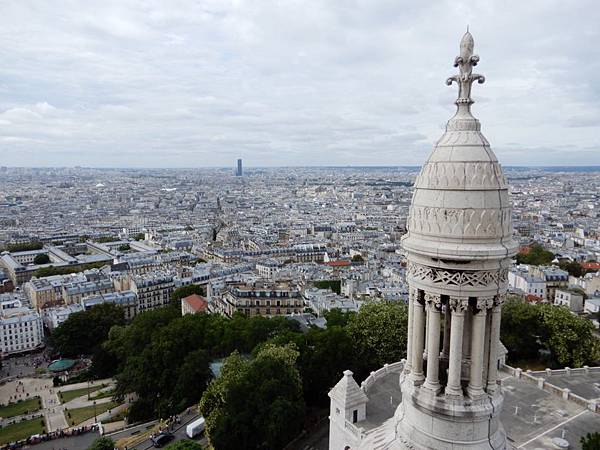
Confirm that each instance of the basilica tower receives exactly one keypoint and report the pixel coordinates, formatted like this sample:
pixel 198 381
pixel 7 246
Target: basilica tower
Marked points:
pixel 459 247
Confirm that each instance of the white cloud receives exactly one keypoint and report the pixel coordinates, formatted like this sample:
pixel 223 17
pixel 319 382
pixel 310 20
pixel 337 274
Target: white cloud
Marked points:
pixel 193 83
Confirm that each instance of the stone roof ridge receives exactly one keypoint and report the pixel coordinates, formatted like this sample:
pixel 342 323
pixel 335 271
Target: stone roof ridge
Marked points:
pixel 347 392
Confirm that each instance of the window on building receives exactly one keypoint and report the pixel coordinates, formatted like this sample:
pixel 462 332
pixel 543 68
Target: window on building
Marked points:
pixel 355 416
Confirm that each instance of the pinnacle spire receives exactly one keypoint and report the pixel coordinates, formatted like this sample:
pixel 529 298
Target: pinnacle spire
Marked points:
pixel 465 62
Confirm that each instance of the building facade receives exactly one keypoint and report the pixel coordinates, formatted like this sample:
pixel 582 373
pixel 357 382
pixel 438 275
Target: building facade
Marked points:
pixel 260 298
pixel 21 329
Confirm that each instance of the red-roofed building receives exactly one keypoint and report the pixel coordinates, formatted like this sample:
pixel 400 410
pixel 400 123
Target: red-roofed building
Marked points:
pixel 590 266
pixel 193 304
pixel 339 263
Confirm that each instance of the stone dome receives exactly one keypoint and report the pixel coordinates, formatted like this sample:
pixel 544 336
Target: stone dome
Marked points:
pixel 460 208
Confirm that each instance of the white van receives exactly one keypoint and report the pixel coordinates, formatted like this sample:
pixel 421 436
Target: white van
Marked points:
pixel 196 427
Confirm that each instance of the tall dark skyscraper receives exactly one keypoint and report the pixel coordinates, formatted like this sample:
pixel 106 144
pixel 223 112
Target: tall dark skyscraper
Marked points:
pixel 238 171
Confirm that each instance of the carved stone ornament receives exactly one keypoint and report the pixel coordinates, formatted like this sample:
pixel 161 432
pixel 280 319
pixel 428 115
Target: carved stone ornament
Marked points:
pixel 459 305
pixel 464 222
pixel 479 278
pixel 433 301
pixel 484 303
pixel 465 63
pixel 499 299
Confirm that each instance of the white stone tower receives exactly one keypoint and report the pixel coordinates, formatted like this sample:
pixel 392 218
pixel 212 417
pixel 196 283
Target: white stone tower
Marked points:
pixel 459 245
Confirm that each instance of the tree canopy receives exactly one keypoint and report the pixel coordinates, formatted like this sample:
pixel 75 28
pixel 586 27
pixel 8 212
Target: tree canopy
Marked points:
pixel 528 328
pixel 255 403
pixel 184 291
pixel 536 255
pixel 591 441
pixel 573 267
pixel 379 331
pixel 185 444
pixel 102 443
pixel 164 358
pixel 83 332
pixel 334 285
pixel 42 258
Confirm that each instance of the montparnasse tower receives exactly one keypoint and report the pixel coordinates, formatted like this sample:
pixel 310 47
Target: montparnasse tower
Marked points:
pixel 459 247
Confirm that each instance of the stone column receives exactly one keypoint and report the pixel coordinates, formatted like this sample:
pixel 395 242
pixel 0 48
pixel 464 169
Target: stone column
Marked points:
pixel 447 324
pixel 418 339
pixel 425 347
pixel 411 300
pixel 466 347
pixel 458 307
pixel 475 388
pixel 492 377
pixel 434 305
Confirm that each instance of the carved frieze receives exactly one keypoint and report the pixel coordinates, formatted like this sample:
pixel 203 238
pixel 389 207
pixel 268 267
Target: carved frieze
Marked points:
pixel 478 278
pixel 461 175
pixel 468 222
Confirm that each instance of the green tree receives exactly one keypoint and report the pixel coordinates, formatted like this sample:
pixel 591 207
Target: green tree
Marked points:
pixel 536 255
pixel 185 444
pixel 25 246
pixel 102 443
pixel 520 330
pixel 42 258
pixel 379 331
pixel 336 317
pixel 323 358
pixel 255 404
pixel 590 441
pixel 84 332
pixel 64 270
pixel 139 236
pixel 573 267
pixel 334 285
pixel 569 338
pixel 172 371
pixel 124 247
pixel 528 328
pixel 184 291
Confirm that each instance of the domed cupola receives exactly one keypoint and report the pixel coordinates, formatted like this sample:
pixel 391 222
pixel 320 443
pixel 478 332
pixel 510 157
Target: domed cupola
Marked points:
pixel 460 208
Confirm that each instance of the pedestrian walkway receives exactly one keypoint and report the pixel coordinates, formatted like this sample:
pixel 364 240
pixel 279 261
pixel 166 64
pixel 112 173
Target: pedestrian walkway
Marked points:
pixel 52 409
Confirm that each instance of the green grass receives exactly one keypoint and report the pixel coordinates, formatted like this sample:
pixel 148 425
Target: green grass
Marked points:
pixel 18 408
pixel 67 396
pixel 21 430
pixel 104 394
pixel 79 415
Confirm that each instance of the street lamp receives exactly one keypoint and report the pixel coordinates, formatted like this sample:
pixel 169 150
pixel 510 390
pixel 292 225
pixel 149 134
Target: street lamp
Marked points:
pixel 95 419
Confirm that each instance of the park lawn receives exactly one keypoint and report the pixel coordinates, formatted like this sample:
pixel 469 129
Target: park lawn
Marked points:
pixel 79 415
pixel 67 396
pixel 18 408
pixel 105 394
pixel 21 430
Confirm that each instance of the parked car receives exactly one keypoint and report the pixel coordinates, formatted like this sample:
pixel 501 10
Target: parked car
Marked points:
pixel 162 438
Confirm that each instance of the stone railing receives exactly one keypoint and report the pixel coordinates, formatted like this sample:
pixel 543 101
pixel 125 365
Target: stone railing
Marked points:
pixel 357 432
pixel 396 367
pixel 541 379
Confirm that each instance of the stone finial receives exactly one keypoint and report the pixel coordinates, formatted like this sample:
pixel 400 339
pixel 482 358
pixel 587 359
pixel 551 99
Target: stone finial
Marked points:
pixel 465 62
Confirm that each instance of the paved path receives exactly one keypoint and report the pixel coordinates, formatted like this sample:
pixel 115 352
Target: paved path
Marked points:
pixel 52 409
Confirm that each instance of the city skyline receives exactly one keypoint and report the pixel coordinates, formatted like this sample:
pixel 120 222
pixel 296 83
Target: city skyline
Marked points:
pixel 129 85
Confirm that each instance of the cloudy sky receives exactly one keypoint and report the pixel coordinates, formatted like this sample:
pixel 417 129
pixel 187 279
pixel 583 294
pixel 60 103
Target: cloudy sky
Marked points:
pixel 178 83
